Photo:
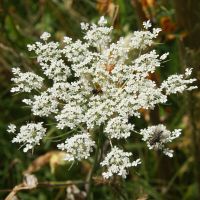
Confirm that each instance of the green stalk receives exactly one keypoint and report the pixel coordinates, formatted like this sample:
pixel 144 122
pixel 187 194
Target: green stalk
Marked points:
pixel 95 163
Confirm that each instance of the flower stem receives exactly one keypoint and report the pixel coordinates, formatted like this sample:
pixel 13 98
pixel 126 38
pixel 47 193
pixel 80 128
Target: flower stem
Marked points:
pixel 95 163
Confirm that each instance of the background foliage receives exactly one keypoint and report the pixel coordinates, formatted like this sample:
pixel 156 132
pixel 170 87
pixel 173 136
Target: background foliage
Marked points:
pixel 22 22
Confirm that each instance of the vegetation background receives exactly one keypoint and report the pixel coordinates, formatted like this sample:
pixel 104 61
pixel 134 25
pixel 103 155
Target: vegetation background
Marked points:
pixel 22 22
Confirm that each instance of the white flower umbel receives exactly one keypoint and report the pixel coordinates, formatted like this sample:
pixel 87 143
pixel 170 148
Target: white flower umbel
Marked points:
pixel 25 82
pixel 143 39
pixel 119 127
pixel 30 135
pixel 77 147
pixel 97 82
pixel 43 104
pixel 178 83
pixel 70 116
pixel 45 36
pixel 158 136
pixel 11 128
pixel 117 162
pixel 147 24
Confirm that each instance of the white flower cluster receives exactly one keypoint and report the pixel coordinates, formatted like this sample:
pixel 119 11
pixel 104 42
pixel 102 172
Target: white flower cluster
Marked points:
pixel 29 135
pixel 49 56
pixel 26 82
pixel 144 39
pixel 77 147
pixel 11 128
pixel 43 104
pixel 157 137
pixel 178 83
pixel 119 127
pixel 117 162
pixel 96 82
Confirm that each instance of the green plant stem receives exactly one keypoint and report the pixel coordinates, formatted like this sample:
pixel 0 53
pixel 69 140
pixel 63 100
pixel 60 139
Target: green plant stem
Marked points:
pixel 95 163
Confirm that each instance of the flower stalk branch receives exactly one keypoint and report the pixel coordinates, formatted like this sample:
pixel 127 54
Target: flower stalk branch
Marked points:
pixel 95 163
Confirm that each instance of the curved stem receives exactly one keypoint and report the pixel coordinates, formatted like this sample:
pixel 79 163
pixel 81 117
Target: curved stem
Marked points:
pixel 95 163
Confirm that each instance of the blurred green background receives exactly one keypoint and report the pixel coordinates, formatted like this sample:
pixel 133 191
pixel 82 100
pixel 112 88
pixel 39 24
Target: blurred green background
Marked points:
pixel 23 21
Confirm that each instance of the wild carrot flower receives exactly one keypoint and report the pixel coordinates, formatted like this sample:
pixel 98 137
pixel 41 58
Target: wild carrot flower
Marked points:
pixel 97 83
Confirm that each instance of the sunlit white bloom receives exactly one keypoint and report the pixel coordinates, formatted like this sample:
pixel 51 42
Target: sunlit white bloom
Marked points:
pixel 77 147
pixel 70 116
pixel 98 82
pixel 31 47
pixel 43 104
pixel 117 162
pixel 143 39
pixel 30 135
pixel 84 26
pixel 98 35
pixel 25 82
pixel 147 62
pixel 164 56
pixel 178 83
pixel 147 24
pixel 102 21
pixel 158 136
pixel 11 128
pixel 188 72
pixel 118 127
pixel 67 40
pixel 45 36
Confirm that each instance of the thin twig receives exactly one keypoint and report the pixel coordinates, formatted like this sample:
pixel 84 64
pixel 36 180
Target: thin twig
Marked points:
pixel 47 184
